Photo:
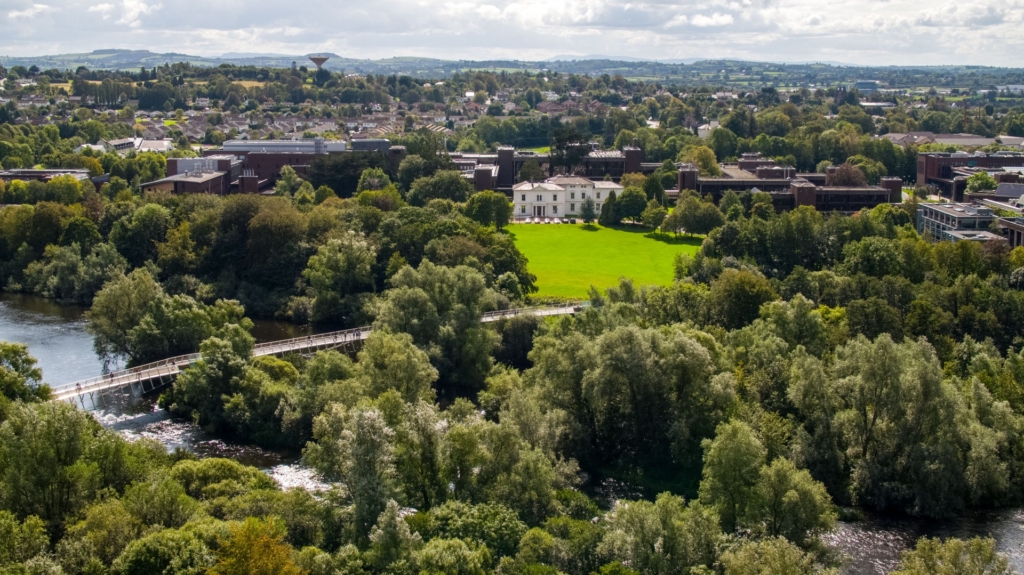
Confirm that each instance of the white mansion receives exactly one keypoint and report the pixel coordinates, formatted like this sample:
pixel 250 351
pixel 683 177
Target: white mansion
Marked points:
pixel 559 197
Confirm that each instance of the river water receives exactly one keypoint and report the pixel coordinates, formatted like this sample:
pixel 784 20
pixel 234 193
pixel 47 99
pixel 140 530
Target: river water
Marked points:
pixel 57 338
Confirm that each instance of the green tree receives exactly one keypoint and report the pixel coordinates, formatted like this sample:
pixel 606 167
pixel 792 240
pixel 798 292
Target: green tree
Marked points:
pixel 703 158
pixel 170 551
pixel 323 193
pixel 653 188
pixel 696 216
pixel 355 447
pixel 953 557
pixel 452 557
pixel 609 211
pixel 409 170
pixel 136 238
pixel 445 185
pixel 588 211
pixel 391 540
pixel 108 527
pixel 488 208
pixel 20 379
pixel 981 182
pixel 732 463
pixel 723 142
pixel 339 273
pixel 737 295
pixel 81 231
pixel 391 361
pixel 662 537
pixel 440 307
pixel 255 547
pixel 873 169
pixel 774 556
pixel 373 179
pixel 631 204
pixel 654 214
pixel 21 540
pixel 530 172
pixel 46 461
pixel 288 183
pixel 847 175
pixel 64 189
pixel 788 502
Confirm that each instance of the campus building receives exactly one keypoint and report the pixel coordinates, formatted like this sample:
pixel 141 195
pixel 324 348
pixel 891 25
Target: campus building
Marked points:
pixel 956 222
pixel 948 172
pixel 788 188
pixel 559 197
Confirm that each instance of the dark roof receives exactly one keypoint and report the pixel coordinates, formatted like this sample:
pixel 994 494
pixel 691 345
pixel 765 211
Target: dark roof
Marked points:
pixel 1007 190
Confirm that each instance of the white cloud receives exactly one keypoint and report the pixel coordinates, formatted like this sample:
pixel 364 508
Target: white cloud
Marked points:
pixel 103 9
pixel 132 10
pixel 716 19
pixel 855 31
pixel 31 12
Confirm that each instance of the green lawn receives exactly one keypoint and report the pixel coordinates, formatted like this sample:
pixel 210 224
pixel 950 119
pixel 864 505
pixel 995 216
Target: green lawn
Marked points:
pixel 567 259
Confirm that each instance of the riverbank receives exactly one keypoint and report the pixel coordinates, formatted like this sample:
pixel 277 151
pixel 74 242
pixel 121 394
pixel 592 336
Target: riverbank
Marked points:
pixel 56 336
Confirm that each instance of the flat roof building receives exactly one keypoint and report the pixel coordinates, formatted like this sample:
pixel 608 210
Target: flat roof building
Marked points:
pixel 948 172
pixel 956 222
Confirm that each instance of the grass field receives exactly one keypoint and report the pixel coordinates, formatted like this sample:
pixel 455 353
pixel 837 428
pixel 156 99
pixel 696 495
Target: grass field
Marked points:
pixel 567 259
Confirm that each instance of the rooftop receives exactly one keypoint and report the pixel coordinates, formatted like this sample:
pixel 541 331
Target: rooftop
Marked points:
pixel 529 186
pixel 960 210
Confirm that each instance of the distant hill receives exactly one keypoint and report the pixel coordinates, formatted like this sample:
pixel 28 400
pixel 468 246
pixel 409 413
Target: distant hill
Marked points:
pixel 689 71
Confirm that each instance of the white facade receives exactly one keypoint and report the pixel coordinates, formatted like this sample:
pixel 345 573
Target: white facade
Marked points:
pixel 559 197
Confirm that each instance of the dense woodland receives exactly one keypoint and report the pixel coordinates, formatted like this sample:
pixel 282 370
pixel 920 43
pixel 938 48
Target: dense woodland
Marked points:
pixel 799 362
pixel 800 368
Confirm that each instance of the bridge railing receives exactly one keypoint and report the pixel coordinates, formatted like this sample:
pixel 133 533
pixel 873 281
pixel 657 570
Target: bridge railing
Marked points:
pixel 538 311
pixel 172 365
pixel 125 375
pixel 343 336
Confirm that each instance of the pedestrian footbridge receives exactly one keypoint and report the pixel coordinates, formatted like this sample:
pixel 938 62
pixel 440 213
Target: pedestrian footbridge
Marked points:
pixel 152 376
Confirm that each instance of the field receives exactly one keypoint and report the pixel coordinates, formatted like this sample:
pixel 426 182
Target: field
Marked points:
pixel 567 259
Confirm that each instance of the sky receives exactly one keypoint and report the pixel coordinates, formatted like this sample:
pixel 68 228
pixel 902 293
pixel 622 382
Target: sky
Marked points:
pixel 869 32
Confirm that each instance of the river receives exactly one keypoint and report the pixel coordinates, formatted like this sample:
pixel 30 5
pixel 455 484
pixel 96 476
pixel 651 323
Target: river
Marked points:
pixel 57 338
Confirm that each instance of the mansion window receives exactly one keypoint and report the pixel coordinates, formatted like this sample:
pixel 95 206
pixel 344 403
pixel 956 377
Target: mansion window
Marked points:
pixel 599 195
pixel 572 196
pixel 554 197
pixel 522 210
pixel 524 197
pixel 572 207
pixel 540 198
pixel 554 209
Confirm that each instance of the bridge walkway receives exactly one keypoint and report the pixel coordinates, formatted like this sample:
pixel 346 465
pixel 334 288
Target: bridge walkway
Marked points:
pixel 152 376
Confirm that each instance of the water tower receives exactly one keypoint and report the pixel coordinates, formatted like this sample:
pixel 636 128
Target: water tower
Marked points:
pixel 319 61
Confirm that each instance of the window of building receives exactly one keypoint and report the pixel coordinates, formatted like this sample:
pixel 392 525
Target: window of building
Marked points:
pixel 522 210
pixel 554 197
pixel 540 198
pixel 572 196
pixel 554 209
pixel 524 197
pixel 599 195
pixel 583 195
pixel 572 207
